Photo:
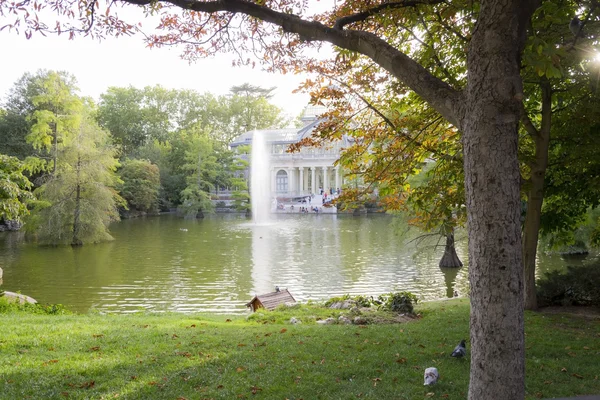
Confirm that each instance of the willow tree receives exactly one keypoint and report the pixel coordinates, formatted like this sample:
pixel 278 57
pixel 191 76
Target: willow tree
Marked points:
pixel 486 109
pixel 78 202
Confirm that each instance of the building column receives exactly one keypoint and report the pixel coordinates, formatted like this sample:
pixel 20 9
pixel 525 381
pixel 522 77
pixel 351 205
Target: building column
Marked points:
pixel 301 181
pixel 291 180
pixel 337 178
pixel 313 180
pixel 325 180
pixel 273 190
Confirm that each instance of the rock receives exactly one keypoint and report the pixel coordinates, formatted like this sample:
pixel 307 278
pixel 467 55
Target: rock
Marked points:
pixel 343 305
pixel 360 321
pixel 344 320
pixel 20 298
pixel 10 226
pixel 295 321
pixel 328 321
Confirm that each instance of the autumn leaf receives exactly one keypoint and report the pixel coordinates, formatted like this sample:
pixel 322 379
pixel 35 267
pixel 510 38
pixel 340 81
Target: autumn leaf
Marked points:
pixel 97 336
pixel 563 369
pixel 220 387
pixel 240 369
pixel 283 330
pixel 375 380
pixel 227 320
pixel 577 376
pixel 430 394
pixel 255 389
pixel 95 348
pixel 241 345
pixel 401 360
pixel 87 385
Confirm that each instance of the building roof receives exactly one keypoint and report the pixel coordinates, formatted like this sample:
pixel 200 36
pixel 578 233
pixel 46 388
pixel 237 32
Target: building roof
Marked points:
pixel 286 135
pixel 273 299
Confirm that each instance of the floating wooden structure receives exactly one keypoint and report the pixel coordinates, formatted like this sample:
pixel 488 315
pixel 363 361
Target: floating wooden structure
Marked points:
pixel 271 300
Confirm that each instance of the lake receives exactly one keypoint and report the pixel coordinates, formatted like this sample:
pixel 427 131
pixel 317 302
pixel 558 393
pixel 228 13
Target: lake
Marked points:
pixel 219 263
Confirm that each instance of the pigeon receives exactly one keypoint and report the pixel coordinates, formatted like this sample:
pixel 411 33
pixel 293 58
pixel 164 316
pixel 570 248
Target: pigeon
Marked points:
pixel 431 376
pixel 460 350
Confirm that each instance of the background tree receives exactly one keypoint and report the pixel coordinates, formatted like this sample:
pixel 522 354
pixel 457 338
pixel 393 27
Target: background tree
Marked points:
pixel 141 185
pixel 56 114
pixel 14 189
pixel 77 204
pixel 239 181
pixel 201 167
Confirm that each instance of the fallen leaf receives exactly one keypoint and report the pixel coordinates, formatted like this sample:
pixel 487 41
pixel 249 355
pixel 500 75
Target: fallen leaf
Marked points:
pixel 220 387
pixel 577 376
pixel 421 346
pixel 586 348
pixel 95 348
pixel 227 320
pixel 240 369
pixel 65 394
pixel 255 389
pixel 133 377
pixel 430 394
pixel 375 380
pixel 547 382
pixel 322 361
pixel 87 385
pixel 151 383
pixel 98 336
pixel 283 330
pixel 401 360
pixel 174 336
pixel 241 345
pixel 192 325
pixel 563 369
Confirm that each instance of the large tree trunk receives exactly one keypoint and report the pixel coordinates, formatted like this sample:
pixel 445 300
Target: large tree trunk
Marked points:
pixel 450 258
pixel 535 198
pixel 492 183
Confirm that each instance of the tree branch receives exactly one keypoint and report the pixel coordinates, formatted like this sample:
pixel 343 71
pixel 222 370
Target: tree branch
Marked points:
pixel 441 96
pixel 362 16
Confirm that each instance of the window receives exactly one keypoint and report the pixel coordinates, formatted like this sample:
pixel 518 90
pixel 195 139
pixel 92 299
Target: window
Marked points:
pixel 281 181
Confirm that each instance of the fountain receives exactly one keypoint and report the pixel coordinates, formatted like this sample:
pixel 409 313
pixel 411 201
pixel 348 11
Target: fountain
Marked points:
pixel 260 192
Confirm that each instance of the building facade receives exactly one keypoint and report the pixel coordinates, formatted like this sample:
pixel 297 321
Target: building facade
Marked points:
pixel 307 172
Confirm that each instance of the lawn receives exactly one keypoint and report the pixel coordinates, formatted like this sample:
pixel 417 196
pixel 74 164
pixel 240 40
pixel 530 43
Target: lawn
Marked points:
pixel 182 356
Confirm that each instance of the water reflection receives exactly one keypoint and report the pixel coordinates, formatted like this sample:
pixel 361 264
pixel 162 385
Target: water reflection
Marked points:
pixel 219 263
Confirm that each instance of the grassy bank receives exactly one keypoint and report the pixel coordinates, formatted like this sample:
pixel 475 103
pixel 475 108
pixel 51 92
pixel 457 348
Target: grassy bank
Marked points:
pixel 196 357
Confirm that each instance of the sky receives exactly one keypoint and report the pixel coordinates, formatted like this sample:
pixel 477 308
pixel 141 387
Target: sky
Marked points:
pixel 127 61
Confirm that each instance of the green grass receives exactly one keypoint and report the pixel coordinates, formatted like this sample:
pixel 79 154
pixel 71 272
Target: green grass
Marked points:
pixel 175 356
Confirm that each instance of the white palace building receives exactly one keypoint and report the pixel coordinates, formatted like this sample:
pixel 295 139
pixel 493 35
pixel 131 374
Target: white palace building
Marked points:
pixel 304 173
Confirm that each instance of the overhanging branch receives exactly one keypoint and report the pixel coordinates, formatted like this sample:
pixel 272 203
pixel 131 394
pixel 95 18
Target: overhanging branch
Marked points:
pixel 440 95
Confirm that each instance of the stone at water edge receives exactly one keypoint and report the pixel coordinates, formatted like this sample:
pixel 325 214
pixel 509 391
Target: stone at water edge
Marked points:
pixel 20 298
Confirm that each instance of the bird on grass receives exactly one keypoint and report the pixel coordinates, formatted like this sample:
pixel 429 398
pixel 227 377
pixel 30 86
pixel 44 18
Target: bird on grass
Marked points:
pixel 431 376
pixel 460 350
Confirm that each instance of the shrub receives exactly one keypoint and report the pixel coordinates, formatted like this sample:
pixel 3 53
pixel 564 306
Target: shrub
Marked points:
pixel 398 302
pixel 361 301
pixel 578 286
pixel 7 306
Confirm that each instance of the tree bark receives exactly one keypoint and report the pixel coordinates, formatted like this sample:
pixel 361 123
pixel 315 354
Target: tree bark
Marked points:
pixel 492 185
pixel 450 258
pixel 77 213
pixel 535 197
